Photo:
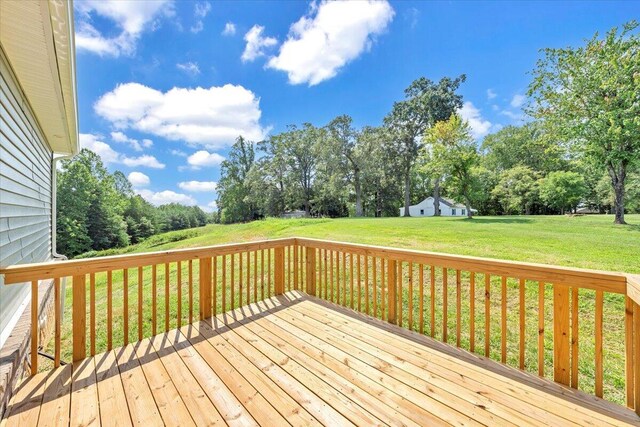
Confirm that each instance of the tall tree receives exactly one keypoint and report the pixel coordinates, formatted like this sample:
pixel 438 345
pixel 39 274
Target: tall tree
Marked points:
pixel 517 190
pixel 454 150
pixel 589 96
pixel 426 103
pixel 301 149
pixel 562 190
pixel 345 139
pixel 233 188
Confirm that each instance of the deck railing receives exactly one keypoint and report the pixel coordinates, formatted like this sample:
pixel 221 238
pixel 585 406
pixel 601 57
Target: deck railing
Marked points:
pixel 564 323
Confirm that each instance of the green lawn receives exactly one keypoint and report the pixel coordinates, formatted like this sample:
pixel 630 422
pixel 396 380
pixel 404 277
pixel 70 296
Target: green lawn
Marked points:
pixel 588 242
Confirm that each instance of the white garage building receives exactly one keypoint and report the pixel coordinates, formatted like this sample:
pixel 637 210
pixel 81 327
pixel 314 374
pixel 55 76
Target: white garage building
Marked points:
pixel 447 208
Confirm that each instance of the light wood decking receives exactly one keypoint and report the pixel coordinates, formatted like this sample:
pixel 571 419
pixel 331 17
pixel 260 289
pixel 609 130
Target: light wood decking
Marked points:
pixel 299 360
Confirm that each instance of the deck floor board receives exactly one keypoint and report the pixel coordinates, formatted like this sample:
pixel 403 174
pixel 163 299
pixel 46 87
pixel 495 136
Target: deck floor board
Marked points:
pixel 297 360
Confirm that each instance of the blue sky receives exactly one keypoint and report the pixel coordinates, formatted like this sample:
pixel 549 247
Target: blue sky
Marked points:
pixel 164 87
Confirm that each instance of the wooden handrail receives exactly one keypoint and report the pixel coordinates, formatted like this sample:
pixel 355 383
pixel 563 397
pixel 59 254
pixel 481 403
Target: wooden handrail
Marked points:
pixel 422 291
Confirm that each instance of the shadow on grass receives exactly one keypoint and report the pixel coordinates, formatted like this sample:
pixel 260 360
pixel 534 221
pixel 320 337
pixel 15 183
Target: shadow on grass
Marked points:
pixel 498 220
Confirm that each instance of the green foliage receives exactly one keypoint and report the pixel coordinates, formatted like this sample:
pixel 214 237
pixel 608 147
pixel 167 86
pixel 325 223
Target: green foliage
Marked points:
pixel 562 190
pixel 588 96
pixel 517 190
pixel 233 191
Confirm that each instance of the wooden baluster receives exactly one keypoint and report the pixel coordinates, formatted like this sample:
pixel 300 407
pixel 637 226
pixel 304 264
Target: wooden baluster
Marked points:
pixel 154 308
pixel 629 359
pixel 636 350
pixel 92 314
pixel 278 254
pixel 35 332
pixel 392 271
pixel 262 274
pixel 445 304
pixel 190 291
pixel 458 307
pixel 399 294
pixel 344 278
pixel 248 278
pixel 205 288
pixel 366 283
pixel 432 277
pixel 561 356
pixel 223 285
pixel 522 321
pixel 179 285
pixel 410 266
pixel 338 277
pixel 541 329
pixel 383 306
pixel 472 311
pixel 310 259
pixel 374 266
pixel 110 311
pixel 331 254
pixel 125 306
pixel 255 276
pixel 269 272
pixel 296 284
pixel 167 277
pixel 487 314
pixel 598 340
pixel 140 277
pixel 233 280
pixel 240 289
pixel 359 284
pixel 79 320
pixel 503 321
pixel 214 286
pixel 352 279
pixel 57 320
pixel 574 337
pixel 421 302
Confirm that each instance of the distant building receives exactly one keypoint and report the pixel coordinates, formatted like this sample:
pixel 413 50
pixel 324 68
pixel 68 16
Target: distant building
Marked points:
pixel 294 214
pixel 447 208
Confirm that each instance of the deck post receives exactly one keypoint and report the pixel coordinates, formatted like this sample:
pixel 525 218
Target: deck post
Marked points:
pixel 310 272
pixel 279 270
pixel 205 288
pixel 391 290
pixel 561 355
pixel 79 317
pixel 636 351
pixel 34 327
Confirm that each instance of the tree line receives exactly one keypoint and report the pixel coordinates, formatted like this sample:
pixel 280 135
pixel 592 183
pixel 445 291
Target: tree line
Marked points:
pixel 581 146
pixel 98 210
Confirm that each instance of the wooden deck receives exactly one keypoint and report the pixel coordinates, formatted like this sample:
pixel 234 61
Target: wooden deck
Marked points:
pixel 298 360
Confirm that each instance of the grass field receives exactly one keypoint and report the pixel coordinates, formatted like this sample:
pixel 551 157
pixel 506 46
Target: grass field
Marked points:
pixel 588 242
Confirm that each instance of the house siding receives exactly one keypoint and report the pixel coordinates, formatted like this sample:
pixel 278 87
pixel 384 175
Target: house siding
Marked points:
pixel 25 191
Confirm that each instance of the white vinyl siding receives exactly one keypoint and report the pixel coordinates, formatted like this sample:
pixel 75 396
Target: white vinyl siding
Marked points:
pixel 25 191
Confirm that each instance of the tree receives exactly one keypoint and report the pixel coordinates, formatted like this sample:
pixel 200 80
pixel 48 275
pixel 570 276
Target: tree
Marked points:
pixel 517 190
pixel 345 140
pixel 589 96
pixel 233 188
pixel 454 150
pixel 562 190
pixel 426 103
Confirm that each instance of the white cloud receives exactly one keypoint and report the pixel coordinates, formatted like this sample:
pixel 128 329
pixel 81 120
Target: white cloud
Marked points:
pixel 165 197
pixel 518 117
pixel 146 160
pixel 133 143
pixel 101 148
pixel 491 94
pixel 200 11
pixel 328 37
pixel 212 206
pixel 189 68
pixel 479 126
pixel 203 158
pixel 256 43
pixel 131 18
pixel 198 186
pixel 179 153
pixel 229 29
pixel 109 155
pixel 138 179
pixel 211 118
pixel 518 100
